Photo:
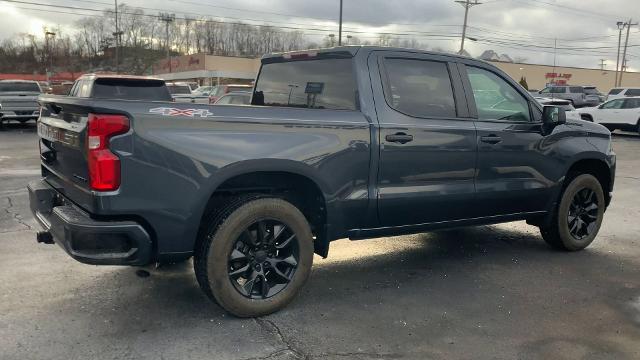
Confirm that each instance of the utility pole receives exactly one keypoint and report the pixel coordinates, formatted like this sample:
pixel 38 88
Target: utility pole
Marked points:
pixel 621 25
pixel 602 64
pixel 340 26
pixel 118 35
pixel 624 53
pixel 466 4
pixel 167 18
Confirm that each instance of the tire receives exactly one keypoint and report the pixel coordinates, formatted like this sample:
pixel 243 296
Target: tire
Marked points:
pixel 570 229
pixel 234 264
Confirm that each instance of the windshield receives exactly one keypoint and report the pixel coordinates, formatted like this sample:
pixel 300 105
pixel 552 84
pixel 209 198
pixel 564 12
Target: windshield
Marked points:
pixel 19 86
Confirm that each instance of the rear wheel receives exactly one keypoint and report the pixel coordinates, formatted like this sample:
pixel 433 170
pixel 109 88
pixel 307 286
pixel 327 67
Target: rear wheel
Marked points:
pixel 255 256
pixel 578 216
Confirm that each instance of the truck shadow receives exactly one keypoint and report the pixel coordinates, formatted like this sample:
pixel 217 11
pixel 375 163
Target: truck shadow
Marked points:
pixel 392 295
pixel 29 126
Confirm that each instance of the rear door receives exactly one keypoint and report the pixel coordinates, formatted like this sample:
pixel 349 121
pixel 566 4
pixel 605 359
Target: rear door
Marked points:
pixel 609 112
pixel 630 114
pixel 512 167
pixel 427 142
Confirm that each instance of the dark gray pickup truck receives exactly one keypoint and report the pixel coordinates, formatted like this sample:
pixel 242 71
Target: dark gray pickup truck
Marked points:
pixel 354 142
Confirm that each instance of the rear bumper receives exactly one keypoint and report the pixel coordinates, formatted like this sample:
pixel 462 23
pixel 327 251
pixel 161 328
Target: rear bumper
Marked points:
pixel 22 114
pixel 97 242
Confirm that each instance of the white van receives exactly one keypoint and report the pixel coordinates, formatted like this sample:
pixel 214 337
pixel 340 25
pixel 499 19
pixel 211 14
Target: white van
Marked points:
pixel 621 92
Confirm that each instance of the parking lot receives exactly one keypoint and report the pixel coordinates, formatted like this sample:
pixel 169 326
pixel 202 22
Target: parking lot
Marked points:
pixel 486 292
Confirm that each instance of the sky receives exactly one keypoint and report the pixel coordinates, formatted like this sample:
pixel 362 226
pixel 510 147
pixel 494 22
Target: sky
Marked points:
pixel 571 32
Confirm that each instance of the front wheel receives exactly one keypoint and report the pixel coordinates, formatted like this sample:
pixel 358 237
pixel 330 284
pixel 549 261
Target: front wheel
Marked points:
pixel 255 256
pixel 578 216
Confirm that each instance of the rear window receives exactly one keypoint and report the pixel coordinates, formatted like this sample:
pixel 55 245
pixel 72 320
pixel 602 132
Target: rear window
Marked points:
pixel 615 91
pixel 131 89
pixel 576 89
pixel 315 84
pixel 632 92
pixel 19 86
pixel 591 91
pixel 179 89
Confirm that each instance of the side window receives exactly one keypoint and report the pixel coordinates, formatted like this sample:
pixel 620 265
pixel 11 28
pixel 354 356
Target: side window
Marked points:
pixel 632 92
pixel 495 98
pixel 613 104
pixel 575 90
pixel 419 88
pixel 631 104
pixel 558 90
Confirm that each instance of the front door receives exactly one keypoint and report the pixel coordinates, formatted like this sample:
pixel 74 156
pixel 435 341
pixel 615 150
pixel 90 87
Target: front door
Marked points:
pixel 427 153
pixel 610 112
pixel 514 174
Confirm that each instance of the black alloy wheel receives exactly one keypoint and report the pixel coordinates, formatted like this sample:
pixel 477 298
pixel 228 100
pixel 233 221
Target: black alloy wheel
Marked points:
pixel 583 214
pixel 264 259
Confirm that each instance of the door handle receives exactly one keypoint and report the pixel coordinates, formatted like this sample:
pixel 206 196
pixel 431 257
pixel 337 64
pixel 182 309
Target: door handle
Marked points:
pixel 400 137
pixel 491 139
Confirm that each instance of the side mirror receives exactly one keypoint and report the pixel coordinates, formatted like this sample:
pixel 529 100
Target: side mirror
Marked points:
pixel 553 115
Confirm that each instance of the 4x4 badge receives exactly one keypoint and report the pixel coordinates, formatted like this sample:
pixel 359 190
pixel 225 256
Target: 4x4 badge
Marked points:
pixel 168 111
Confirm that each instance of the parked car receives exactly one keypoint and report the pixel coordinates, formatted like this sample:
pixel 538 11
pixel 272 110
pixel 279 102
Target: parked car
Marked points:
pixel 181 92
pixel 622 92
pixel 235 98
pixel 623 114
pixel 203 90
pixel 127 87
pixel 592 90
pixel 19 99
pixel 576 94
pixel 220 90
pixel 343 144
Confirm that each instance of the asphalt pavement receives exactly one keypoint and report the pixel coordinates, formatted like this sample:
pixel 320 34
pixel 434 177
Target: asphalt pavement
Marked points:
pixel 491 292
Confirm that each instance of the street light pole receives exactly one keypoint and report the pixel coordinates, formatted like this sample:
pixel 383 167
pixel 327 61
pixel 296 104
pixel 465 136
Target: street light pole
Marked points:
pixel 466 4
pixel 340 26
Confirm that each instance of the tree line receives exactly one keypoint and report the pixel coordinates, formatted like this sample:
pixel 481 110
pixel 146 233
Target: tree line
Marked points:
pixel 90 46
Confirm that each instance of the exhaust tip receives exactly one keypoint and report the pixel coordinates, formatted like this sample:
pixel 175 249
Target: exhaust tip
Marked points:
pixel 44 237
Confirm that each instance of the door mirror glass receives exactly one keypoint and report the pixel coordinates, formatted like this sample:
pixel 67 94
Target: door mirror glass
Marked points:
pixel 553 115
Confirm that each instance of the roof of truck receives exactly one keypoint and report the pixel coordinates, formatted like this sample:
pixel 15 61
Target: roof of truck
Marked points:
pixel 117 76
pixel 352 50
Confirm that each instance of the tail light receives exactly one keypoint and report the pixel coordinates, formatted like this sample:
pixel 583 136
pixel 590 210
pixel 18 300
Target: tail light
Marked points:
pixel 104 166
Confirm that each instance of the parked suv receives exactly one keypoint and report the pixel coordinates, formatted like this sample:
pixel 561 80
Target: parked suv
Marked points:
pixel 19 99
pixel 576 94
pixel 347 142
pixel 621 92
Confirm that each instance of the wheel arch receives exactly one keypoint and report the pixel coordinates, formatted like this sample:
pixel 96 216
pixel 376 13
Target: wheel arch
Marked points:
pixel 293 181
pixel 596 167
